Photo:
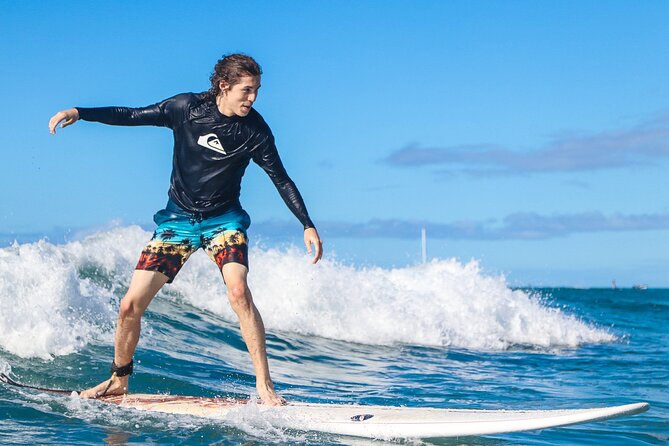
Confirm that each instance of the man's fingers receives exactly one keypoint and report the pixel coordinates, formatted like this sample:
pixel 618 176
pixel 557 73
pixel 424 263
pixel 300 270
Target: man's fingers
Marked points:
pixel 64 118
pixel 53 123
pixel 57 119
pixel 319 251
pixel 311 237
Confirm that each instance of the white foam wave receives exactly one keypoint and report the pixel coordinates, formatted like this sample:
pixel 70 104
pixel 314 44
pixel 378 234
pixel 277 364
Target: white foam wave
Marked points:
pixel 442 303
pixel 57 298
pixel 48 308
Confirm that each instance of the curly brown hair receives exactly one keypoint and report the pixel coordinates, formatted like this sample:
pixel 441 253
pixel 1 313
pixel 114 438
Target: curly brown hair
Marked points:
pixel 230 69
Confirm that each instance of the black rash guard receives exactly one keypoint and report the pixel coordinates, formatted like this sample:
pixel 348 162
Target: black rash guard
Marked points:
pixel 211 151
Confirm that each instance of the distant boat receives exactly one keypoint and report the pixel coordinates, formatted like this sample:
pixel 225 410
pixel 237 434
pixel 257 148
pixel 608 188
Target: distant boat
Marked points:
pixel 640 286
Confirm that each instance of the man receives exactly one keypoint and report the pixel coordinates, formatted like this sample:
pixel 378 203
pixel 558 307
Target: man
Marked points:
pixel 216 134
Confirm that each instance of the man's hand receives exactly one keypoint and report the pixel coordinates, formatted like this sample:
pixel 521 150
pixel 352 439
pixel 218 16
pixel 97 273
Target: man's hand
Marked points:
pixel 311 237
pixel 69 116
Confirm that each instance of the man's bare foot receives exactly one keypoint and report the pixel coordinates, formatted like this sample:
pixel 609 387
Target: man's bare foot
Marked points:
pixel 268 395
pixel 119 386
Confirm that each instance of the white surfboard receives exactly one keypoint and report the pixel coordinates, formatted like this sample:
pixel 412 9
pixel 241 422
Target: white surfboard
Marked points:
pixel 375 421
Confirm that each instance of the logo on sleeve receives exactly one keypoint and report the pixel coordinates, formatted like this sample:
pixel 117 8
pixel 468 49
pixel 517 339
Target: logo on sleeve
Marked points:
pixel 210 141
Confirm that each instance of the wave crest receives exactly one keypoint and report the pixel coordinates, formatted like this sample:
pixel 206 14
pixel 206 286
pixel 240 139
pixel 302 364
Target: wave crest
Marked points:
pixel 58 298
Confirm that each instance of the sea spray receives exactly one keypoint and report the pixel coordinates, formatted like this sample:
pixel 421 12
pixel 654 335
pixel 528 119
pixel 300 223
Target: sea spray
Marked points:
pixel 57 298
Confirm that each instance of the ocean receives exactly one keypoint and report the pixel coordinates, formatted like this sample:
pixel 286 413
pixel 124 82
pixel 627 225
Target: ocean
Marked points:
pixel 442 334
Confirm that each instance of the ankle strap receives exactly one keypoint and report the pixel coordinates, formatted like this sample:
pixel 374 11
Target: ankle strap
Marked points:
pixel 122 371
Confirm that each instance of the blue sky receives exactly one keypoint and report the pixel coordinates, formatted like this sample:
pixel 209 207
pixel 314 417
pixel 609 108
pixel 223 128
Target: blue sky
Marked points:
pixel 531 136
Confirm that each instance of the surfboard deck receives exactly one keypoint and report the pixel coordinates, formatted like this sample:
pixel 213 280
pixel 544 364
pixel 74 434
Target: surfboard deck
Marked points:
pixel 375 421
pixel 384 422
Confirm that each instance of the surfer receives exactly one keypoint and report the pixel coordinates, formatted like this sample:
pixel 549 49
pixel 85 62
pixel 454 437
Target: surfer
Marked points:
pixel 216 134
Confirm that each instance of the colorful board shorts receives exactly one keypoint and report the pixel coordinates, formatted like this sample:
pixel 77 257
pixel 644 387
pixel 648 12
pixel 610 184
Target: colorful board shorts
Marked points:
pixel 180 233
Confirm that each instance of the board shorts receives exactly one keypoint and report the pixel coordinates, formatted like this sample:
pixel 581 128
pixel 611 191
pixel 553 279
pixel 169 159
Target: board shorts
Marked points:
pixel 180 233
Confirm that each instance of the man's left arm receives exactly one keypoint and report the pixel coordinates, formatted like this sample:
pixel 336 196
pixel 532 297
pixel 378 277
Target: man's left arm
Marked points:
pixel 267 157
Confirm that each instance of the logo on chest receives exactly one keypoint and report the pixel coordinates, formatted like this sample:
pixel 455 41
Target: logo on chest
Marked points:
pixel 210 141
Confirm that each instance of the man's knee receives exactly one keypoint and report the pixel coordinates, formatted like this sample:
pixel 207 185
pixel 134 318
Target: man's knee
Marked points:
pixel 143 287
pixel 129 308
pixel 239 295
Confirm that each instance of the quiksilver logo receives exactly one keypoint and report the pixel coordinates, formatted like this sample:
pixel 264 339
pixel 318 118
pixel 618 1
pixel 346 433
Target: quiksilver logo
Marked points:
pixel 210 141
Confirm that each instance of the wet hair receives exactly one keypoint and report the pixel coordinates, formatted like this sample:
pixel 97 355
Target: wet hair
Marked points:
pixel 230 69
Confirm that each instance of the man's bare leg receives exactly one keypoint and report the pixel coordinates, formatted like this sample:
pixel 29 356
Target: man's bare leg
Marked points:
pixel 252 328
pixel 143 287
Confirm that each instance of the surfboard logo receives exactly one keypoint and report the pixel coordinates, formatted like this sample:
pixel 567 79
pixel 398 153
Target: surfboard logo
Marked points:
pixel 362 417
pixel 210 141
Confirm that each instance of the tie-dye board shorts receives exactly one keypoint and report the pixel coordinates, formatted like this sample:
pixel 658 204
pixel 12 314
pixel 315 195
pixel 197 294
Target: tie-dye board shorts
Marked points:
pixel 180 233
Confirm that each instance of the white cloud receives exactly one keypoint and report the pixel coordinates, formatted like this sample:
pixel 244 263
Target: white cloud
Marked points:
pixel 640 145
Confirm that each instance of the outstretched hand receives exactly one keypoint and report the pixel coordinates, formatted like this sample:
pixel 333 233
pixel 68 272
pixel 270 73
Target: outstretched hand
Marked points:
pixel 311 238
pixel 69 116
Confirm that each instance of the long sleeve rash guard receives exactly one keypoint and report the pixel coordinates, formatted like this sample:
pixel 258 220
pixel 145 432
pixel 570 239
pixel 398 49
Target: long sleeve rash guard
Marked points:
pixel 211 151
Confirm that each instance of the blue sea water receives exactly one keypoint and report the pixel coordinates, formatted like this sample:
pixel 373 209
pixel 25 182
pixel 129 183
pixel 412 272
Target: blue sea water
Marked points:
pixel 444 334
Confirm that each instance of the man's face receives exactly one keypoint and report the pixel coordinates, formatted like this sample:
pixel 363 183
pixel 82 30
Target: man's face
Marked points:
pixel 238 99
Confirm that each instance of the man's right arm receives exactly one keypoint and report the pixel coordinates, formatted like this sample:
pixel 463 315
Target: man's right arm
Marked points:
pixel 152 115
pixel 161 114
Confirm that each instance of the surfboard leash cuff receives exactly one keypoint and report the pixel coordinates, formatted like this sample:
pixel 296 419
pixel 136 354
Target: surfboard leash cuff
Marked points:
pixel 122 371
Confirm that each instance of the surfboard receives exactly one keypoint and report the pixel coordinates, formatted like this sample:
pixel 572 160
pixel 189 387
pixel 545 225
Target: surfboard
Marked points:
pixel 382 422
pixel 375 421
